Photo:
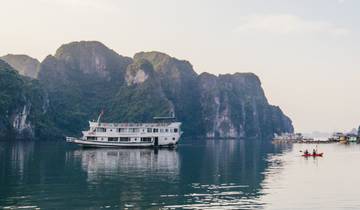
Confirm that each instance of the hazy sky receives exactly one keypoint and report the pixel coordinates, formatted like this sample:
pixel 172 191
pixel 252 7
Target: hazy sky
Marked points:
pixel 306 52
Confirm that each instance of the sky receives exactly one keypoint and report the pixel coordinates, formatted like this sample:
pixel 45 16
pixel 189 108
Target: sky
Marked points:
pixel 306 52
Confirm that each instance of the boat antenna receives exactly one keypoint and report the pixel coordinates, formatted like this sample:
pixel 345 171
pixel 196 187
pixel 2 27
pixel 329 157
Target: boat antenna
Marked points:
pixel 100 115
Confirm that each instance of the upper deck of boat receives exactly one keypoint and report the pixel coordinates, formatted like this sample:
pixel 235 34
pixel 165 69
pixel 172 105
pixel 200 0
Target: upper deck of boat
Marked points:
pixel 132 125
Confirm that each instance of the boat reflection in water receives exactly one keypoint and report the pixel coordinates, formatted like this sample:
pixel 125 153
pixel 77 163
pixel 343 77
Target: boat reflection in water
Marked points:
pixel 107 162
pixel 131 178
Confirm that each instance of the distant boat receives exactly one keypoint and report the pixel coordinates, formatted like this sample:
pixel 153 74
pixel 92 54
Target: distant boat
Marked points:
pixel 163 133
pixel 313 155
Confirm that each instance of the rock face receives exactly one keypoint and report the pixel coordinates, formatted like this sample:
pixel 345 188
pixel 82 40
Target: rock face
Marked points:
pixel 24 64
pixel 235 106
pixel 140 98
pixel 83 78
pixel 23 106
pixel 178 81
pixel 138 73
pixel 92 58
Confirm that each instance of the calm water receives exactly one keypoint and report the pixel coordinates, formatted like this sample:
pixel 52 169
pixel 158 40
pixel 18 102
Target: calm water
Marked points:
pixel 198 174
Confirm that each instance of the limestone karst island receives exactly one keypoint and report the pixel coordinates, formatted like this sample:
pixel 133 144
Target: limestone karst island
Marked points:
pixel 179 104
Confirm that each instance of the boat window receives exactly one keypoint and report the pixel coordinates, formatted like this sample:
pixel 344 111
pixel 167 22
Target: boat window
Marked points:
pixel 100 129
pixel 161 130
pixel 112 139
pixel 124 139
pixel 174 138
pixel 92 138
pixel 149 130
pixel 134 130
pixel 122 130
pixel 156 130
pixel 175 130
pixel 146 139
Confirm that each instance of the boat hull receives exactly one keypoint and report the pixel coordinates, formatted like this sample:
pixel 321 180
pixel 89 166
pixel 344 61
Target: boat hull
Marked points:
pixel 99 144
pixel 312 155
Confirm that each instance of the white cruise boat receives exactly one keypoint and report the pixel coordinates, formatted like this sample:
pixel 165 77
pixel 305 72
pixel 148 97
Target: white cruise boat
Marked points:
pixel 164 133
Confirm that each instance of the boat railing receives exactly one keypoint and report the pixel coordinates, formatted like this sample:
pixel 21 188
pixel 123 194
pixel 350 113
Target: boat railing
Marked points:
pixel 70 139
pixel 128 125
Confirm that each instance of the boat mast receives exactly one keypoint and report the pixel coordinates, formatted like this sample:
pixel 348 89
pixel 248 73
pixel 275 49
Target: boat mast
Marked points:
pixel 100 115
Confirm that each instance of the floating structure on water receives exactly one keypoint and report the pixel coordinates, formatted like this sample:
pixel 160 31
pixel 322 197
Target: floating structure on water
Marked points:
pixel 344 138
pixel 289 138
pixel 337 137
pixel 163 133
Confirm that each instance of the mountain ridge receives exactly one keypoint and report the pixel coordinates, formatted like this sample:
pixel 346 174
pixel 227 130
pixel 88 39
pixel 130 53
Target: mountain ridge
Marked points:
pixel 84 77
pixel 24 64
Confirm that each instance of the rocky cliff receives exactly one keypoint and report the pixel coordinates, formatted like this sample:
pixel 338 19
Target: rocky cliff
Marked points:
pixel 235 106
pixel 25 65
pixel 178 81
pixel 83 78
pixel 23 106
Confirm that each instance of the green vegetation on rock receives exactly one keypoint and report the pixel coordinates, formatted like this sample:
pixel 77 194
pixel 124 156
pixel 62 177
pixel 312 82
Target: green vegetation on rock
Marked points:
pixel 23 106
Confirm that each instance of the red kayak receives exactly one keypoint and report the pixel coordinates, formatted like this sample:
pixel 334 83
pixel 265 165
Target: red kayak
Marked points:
pixel 312 155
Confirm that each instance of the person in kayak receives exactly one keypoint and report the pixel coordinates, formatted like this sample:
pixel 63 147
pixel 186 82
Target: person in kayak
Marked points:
pixel 306 152
pixel 314 152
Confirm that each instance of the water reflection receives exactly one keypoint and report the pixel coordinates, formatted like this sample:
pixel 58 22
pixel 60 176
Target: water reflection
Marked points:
pixel 98 163
pixel 200 174
pixel 227 174
pixel 19 155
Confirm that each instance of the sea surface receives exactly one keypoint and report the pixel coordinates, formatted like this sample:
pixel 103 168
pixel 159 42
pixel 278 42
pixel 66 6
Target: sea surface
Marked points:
pixel 199 174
